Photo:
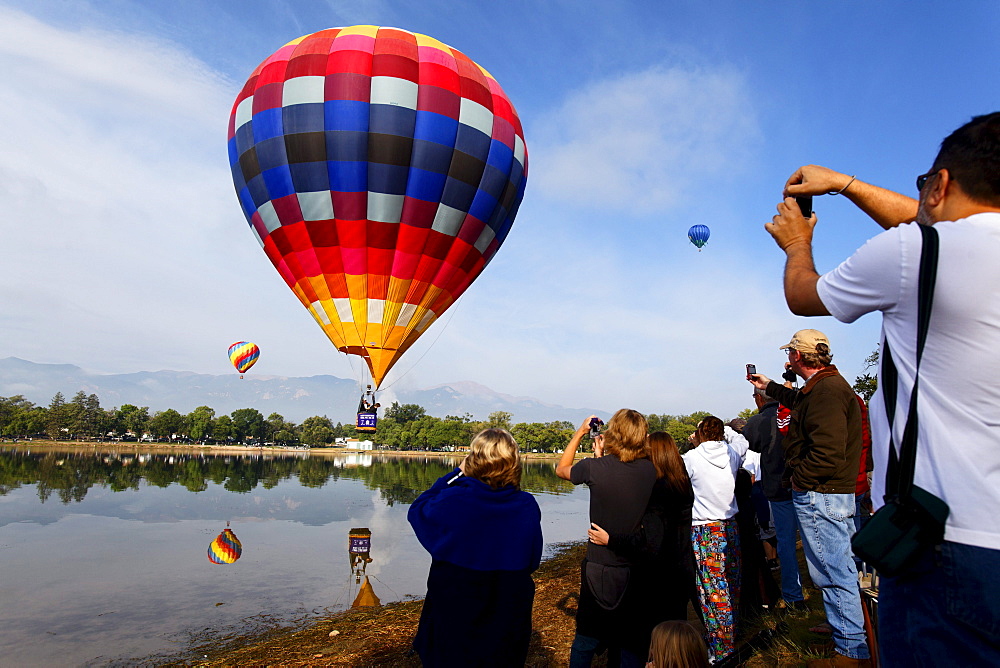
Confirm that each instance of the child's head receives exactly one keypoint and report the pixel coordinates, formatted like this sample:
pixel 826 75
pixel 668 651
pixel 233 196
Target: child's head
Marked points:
pixel 677 645
pixel 494 458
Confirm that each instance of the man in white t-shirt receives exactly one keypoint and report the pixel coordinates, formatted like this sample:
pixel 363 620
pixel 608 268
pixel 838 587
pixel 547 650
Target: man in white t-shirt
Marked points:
pixel 946 611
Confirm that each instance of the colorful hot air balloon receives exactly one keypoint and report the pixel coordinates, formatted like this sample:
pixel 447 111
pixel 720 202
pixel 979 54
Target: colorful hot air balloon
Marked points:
pixel 698 235
pixel 243 355
pixel 380 170
pixel 226 548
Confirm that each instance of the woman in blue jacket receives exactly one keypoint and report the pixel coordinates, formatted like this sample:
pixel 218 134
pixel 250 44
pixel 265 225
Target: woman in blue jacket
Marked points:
pixel 485 539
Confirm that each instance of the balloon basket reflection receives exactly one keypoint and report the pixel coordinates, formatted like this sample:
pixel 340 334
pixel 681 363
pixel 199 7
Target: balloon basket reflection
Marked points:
pixel 359 543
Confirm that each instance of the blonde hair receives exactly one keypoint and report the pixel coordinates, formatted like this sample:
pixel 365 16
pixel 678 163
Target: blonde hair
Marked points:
pixel 676 644
pixel 626 435
pixel 494 458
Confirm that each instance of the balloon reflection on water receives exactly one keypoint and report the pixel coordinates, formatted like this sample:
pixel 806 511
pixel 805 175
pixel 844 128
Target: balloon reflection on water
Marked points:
pixel 226 548
pixel 359 544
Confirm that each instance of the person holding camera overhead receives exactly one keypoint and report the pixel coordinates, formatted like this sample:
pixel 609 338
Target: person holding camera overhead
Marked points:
pixel 945 608
pixel 620 476
pixel 485 539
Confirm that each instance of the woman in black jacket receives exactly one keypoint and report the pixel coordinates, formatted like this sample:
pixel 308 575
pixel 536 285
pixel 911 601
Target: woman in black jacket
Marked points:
pixel 661 548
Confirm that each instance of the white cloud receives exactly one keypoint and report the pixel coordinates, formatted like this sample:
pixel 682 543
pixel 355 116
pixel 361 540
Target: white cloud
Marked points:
pixel 638 142
pixel 121 228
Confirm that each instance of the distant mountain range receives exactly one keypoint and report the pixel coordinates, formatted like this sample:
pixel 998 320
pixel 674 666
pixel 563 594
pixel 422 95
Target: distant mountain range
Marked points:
pixel 294 398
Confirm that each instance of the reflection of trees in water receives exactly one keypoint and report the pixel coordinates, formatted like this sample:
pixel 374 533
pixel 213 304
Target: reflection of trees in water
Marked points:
pixel 70 475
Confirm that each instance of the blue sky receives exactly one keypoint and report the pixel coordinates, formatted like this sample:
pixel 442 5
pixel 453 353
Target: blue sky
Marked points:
pixel 125 248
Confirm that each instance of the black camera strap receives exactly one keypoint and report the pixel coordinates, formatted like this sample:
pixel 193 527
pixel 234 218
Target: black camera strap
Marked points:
pixel 900 470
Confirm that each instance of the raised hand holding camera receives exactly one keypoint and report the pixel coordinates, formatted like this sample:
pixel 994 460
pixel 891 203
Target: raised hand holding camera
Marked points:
pixel 789 227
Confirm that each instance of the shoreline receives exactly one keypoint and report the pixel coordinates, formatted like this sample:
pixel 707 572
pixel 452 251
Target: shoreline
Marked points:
pixel 188 448
pixel 383 635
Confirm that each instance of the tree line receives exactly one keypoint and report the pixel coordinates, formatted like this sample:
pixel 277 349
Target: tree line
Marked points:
pixel 70 476
pixel 402 426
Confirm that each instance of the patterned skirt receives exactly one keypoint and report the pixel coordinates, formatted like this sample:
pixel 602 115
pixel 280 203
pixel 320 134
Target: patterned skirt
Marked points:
pixel 717 556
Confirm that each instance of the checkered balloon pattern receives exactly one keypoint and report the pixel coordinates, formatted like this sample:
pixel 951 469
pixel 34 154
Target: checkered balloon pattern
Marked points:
pixel 380 170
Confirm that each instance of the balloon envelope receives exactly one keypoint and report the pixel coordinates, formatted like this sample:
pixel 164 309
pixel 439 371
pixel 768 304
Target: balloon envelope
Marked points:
pixel 380 170
pixel 225 549
pixel 698 235
pixel 243 355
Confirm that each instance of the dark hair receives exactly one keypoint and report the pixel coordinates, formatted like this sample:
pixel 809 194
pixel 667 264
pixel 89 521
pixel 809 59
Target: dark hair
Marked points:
pixel 971 154
pixel 667 460
pixel 712 428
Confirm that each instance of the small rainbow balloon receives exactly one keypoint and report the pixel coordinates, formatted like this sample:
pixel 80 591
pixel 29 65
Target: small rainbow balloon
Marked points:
pixel 226 548
pixel 243 355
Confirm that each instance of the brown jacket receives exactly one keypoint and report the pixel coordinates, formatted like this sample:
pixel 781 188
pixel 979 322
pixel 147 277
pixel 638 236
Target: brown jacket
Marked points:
pixel 823 445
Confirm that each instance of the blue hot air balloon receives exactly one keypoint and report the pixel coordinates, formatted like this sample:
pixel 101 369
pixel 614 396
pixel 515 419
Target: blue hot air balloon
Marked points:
pixel 698 234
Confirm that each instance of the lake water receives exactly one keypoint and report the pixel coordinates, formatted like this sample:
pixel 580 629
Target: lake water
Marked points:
pixel 103 555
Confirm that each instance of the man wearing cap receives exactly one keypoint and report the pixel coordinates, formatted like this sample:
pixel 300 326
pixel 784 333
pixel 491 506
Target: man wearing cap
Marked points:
pixel 946 609
pixel 823 452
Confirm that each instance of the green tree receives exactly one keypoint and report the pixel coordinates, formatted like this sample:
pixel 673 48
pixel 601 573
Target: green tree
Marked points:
pixel 317 431
pixel 59 417
pixel 280 431
pixel 223 430
pixel 76 411
pixel 20 417
pixel 405 413
pixel 248 423
pixel 200 421
pixel 543 436
pixel 165 424
pixel 747 413
pixel 133 419
pixel 95 418
pixel 867 384
pixel 499 420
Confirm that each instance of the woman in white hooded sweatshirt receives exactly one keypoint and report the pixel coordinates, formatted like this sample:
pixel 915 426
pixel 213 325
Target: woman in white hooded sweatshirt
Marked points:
pixel 712 467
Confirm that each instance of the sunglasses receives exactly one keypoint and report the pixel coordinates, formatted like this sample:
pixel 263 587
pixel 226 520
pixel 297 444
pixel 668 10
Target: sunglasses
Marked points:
pixel 923 178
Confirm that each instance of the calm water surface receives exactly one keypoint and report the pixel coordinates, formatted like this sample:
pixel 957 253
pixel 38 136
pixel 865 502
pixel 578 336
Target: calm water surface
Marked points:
pixel 103 556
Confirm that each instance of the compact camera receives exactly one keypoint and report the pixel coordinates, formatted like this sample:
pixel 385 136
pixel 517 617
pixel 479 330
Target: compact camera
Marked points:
pixel 805 205
pixel 595 427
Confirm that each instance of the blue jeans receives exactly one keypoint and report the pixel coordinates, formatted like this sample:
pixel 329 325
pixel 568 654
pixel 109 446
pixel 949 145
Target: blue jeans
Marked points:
pixel 827 524
pixel 785 526
pixel 946 612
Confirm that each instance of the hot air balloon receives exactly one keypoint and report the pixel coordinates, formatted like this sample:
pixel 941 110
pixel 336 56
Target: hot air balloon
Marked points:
pixel 698 235
pixel 226 548
pixel 243 355
pixel 380 170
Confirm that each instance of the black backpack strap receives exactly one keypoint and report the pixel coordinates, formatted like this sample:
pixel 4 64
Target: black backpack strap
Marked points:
pixel 900 470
